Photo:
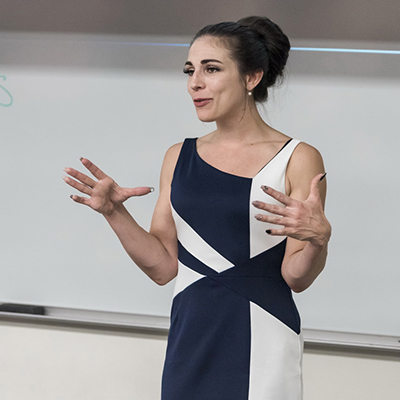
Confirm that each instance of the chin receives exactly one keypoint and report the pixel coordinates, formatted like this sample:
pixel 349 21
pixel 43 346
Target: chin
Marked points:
pixel 205 118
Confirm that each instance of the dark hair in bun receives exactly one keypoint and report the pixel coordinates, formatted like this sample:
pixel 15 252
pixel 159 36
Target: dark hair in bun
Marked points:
pixel 255 43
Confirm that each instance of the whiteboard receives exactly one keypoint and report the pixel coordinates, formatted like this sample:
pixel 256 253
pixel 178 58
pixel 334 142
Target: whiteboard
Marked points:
pixel 122 104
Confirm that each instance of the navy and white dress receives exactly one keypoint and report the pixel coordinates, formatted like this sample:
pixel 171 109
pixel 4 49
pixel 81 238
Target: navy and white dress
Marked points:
pixel 235 331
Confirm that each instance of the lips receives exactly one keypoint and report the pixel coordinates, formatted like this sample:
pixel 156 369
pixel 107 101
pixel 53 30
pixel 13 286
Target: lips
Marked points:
pixel 201 102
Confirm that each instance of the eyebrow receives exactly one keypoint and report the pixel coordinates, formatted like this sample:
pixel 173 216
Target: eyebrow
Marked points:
pixel 206 61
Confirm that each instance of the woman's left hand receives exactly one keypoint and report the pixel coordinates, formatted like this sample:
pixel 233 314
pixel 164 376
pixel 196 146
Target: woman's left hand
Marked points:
pixel 301 220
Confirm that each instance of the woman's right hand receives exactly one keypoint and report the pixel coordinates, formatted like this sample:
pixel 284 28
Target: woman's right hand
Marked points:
pixel 104 193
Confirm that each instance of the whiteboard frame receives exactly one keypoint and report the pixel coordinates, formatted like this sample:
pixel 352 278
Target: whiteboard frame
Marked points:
pixel 100 320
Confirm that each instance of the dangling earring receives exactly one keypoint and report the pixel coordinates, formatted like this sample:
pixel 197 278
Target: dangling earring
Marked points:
pixel 249 93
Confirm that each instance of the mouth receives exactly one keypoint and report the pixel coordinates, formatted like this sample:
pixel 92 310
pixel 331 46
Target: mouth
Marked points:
pixel 201 102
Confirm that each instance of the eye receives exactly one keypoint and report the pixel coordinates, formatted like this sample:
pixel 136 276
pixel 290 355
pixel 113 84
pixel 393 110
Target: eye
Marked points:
pixel 212 70
pixel 188 71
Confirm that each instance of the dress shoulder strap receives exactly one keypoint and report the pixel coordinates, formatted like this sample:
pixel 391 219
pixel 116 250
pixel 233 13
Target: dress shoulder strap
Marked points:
pixel 283 156
pixel 186 153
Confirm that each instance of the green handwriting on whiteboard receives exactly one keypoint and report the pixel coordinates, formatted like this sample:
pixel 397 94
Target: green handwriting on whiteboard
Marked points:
pixel 9 99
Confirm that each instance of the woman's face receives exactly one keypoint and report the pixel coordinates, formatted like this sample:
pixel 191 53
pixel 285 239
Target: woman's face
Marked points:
pixel 214 83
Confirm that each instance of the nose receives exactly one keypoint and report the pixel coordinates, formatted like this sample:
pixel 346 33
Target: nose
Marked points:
pixel 196 82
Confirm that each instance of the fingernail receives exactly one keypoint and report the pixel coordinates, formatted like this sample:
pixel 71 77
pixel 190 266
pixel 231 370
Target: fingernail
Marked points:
pixel 81 158
pixel 322 177
pixel 151 189
pixel 256 203
pixel 258 216
pixel 268 231
pixel 70 196
pixel 263 187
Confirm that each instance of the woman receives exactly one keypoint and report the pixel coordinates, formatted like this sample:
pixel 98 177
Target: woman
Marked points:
pixel 237 246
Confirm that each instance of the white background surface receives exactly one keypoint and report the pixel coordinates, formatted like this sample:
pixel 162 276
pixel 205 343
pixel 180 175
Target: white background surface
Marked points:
pixel 123 105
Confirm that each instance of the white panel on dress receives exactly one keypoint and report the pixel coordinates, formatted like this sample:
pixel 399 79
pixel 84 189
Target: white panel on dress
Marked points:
pixel 276 358
pixel 186 276
pixel 199 248
pixel 272 175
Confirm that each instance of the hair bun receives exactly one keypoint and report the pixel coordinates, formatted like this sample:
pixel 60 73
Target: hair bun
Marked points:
pixel 275 41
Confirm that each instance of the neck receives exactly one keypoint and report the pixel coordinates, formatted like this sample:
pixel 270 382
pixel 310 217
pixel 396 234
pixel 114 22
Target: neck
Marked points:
pixel 247 127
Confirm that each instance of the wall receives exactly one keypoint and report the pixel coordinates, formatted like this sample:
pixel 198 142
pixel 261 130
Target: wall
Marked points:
pixel 97 96
pixel 45 362
pixel 40 362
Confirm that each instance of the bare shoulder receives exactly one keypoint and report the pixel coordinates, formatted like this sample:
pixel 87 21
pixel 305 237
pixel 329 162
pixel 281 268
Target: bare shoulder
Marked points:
pixel 305 156
pixel 173 151
pixel 168 167
pixel 306 162
pixel 171 156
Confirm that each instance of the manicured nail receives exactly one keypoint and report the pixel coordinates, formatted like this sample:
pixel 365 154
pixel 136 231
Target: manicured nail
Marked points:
pixel 256 203
pixel 258 216
pixel 268 231
pixel 151 189
pixel 265 188
pixel 322 177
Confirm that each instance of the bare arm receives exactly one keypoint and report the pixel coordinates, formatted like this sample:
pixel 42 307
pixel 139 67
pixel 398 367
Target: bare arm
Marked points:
pixel 303 218
pixel 155 252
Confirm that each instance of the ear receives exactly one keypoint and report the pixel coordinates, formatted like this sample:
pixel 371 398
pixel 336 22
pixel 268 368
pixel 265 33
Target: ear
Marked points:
pixel 254 79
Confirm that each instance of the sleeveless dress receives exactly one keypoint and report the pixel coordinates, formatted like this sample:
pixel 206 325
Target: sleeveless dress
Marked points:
pixel 235 331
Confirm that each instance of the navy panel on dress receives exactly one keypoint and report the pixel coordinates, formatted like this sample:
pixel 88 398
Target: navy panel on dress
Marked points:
pixel 222 223
pixel 208 354
pixel 260 281
pixel 195 264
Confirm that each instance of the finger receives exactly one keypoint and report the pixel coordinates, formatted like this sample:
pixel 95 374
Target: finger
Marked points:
pixel 86 180
pixel 288 232
pixel 276 232
pixel 139 191
pixel 77 185
pixel 281 197
pixel 315 183
pixel 94 170
pixel 274 220
pixel 271 208
pixel 80 200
